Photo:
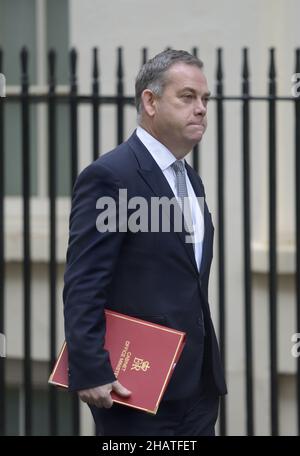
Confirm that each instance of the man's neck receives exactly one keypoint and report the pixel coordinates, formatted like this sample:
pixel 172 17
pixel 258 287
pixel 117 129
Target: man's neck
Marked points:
pixel 177 153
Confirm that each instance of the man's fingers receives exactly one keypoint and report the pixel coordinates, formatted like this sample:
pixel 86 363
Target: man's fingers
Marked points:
pixel 120 389
pixel 100 396
pixel 107 402
pixel 104 402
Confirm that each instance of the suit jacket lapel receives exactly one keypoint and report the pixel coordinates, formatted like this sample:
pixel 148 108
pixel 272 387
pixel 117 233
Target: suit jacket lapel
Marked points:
pixel 155 179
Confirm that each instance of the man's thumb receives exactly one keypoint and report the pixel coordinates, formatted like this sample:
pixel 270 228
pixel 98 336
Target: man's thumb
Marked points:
pixel 120 389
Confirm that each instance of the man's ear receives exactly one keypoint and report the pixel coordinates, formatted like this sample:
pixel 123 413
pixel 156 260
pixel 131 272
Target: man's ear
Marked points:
pixel 149 102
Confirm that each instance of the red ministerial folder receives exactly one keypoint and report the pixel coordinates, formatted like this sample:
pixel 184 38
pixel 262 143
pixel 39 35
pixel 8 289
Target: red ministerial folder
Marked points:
pixel 143 356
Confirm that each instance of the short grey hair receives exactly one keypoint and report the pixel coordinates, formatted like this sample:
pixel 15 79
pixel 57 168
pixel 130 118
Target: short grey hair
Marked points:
pixel 152 74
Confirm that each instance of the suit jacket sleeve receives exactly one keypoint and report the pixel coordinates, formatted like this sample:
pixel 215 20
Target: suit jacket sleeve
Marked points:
pixel 91 259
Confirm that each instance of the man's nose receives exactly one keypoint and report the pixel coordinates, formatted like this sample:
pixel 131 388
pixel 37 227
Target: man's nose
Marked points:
pixel 200 108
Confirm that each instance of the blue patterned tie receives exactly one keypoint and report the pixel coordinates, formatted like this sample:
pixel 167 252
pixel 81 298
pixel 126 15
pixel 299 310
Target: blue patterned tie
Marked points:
pixel 182 192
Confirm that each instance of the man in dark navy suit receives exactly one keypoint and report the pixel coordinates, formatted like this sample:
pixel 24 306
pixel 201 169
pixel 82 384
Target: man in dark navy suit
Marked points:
pixel 154 274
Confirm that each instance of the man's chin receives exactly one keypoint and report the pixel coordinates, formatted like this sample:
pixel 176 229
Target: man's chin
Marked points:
pixel 196 139
pixel 196 135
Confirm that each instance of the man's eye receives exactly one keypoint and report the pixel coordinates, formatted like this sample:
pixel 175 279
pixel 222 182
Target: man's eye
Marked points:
pixel 187 95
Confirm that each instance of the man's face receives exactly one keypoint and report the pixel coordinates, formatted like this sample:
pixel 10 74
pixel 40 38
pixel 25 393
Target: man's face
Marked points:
pixel 179 119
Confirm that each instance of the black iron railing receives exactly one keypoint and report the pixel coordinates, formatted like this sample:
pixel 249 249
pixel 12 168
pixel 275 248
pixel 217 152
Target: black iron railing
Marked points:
pixel 73 99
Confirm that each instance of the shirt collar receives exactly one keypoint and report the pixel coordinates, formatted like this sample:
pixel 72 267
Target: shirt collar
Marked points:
pixel 163 156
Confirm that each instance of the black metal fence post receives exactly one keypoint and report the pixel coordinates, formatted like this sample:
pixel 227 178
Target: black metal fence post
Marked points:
pixel 95 105
pixel 2 267
pixel 247 244
pixel 196 148
pixel 273 245
pixel 74 167
pixel 297 188
pixel 26 178
pixel 144 55
pixel 73 116
pixel 120 95
pixel 221 227
pixel 52 166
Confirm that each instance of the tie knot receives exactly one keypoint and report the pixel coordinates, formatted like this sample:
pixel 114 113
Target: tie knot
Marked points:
pixel 178 166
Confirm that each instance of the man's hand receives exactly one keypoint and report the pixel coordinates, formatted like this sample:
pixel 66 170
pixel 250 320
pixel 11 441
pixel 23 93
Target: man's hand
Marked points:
pixel 100 396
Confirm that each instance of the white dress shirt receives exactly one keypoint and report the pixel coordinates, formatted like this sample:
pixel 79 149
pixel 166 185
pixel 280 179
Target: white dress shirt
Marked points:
pixel 164 158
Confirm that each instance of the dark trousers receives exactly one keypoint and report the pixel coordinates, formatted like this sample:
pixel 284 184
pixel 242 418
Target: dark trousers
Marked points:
pixel 193 416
